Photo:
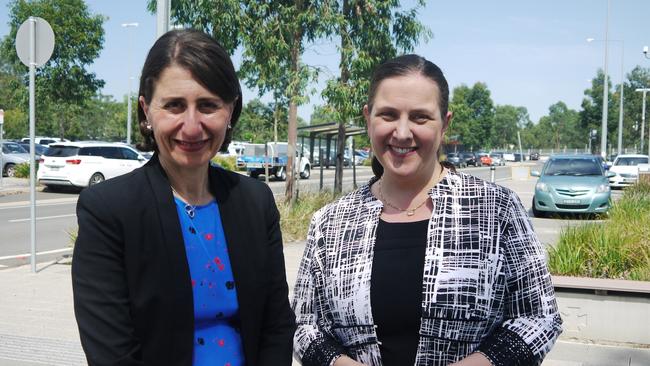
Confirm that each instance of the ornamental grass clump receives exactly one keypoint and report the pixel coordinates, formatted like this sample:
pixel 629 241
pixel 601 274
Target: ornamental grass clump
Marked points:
pixel 619 248
pixel 295 218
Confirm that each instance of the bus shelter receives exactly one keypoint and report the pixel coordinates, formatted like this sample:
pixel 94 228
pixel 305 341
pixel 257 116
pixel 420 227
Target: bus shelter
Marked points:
pixel 328 132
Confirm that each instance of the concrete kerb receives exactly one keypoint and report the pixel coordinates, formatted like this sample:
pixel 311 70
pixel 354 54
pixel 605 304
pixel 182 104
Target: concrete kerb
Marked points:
pixel 12 186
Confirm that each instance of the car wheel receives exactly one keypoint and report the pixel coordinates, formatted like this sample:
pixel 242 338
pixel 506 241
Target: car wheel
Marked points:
pixel 281 174
pixel 305 173
pixel 536 212
pixel 95 178
pixel 10 170
pixel 254 175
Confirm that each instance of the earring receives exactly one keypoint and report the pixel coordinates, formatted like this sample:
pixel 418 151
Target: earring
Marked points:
pixel 148 126
pixel 229 126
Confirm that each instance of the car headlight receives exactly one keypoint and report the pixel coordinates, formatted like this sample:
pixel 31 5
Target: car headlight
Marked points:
pixel 603 188
pixel 542 187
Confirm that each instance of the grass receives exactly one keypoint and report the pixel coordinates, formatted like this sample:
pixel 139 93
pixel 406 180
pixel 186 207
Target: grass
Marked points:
pixel 295 218
pixel 619 248
pixel 226 162
pixel 22 170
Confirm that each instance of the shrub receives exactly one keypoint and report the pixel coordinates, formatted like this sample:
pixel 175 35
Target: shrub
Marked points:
pixel 22 170
pixel 226 161
pixel 618 248
pixel 295 218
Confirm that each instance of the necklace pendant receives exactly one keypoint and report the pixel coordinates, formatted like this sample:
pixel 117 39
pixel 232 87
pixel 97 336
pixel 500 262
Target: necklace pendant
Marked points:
pixel 410 212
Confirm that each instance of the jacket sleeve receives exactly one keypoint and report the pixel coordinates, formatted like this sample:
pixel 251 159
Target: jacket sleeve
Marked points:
pixel 532 322
pixel 101 297
pixel 279 322
pixel 312 344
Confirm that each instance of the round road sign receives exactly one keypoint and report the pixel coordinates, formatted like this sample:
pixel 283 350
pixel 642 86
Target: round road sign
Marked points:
pixel 43 37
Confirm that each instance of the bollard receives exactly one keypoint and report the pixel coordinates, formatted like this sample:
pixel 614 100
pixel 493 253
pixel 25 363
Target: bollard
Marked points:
pixel 492 171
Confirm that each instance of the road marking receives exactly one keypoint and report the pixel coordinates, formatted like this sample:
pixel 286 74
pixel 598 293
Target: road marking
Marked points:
pixel 18 256
pixel 39 203
pixel 43 218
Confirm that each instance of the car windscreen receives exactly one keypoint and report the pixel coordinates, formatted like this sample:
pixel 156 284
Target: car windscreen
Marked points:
pixel 631 161
pixel 61 151
pixel 576 167
pixel 10 148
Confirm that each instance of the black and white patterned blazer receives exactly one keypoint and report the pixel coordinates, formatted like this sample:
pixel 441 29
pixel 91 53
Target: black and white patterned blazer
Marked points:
pixel 485 288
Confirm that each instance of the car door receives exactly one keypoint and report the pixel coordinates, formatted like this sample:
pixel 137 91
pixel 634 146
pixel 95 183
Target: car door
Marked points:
pixel 113 162
pixel 130 160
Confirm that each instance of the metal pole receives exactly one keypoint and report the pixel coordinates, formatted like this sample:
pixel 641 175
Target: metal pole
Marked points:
pixel 643 90
pixel 354 167
pixel 521 153
pixel 603 137
pixel 620 109
pixel 492 171
pixel 320 162
pixel 32 133
pixel 129 71
pixel 163 10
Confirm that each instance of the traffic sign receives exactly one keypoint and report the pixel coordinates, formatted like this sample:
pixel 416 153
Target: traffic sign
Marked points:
pixel 43 41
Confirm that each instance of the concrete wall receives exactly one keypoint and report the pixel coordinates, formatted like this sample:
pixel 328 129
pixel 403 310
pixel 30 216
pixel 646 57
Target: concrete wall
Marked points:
pixel 610 318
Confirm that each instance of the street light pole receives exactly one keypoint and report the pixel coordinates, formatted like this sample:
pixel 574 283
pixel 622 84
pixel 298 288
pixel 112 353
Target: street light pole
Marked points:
pixel 128 98
pixel 603 137
pixel 643 90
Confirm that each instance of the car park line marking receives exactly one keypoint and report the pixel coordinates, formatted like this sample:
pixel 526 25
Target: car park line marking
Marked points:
pixel 26 255
pixel 40 203
pixel 43 218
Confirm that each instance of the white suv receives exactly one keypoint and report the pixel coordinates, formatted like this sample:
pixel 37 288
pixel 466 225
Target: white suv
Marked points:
pixel 81 164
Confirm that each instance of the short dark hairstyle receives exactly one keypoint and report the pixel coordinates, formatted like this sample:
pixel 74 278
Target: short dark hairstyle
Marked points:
pixel 207 62
pixel 402 66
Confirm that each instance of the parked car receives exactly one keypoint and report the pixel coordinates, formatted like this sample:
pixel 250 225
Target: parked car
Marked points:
pixel 483 159
pixel 38 149
pixel 497 158
pixel 12 155
pixel 626 170
pixel 82 164
pixel 470 159
pixel 571 184
pixel 45 141
pixel 457 160
pixel 534 156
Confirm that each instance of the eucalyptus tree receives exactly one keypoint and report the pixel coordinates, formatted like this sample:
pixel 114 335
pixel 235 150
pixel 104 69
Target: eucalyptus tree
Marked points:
pixel 370 32
pixel 273 34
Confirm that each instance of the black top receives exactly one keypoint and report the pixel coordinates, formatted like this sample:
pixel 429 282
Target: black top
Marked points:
pixel 396 289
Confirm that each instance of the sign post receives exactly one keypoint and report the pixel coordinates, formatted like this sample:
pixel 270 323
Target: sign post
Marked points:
pixel 34 46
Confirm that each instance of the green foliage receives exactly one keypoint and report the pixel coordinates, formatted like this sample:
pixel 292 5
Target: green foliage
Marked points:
pixel 226 162
pixel 617 248
pixel 22 170
pixel 295 217
pixel 473 111
pixel 63 84
pixel 370 32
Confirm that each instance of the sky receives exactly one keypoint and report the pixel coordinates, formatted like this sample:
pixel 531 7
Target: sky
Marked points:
pixel 529 53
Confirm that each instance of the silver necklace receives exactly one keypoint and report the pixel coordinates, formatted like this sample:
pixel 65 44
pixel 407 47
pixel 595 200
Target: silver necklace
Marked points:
pixel 408 211
pixel 190 210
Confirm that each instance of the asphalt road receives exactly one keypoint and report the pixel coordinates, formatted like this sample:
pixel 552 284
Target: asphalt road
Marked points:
pixel 56 219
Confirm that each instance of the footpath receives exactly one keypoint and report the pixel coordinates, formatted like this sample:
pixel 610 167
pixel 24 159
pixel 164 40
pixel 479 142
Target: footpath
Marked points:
pixel 37 325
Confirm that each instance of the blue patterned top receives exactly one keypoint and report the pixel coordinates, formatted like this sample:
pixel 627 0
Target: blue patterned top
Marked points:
pixel 216 311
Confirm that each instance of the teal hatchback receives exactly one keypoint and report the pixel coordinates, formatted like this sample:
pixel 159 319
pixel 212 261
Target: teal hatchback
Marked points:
pixel 571 184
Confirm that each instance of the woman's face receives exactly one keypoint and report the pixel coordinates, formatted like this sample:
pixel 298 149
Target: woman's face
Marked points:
pixel 406 127
pixel 189 122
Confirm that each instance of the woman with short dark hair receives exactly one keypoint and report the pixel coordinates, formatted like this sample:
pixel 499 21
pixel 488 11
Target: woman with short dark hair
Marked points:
pixel 180 262
pixel 423 265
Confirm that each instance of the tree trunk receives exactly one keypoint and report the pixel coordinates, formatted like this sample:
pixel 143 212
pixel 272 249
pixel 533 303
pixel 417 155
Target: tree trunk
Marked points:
pixel 345 77
pixel 293 110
